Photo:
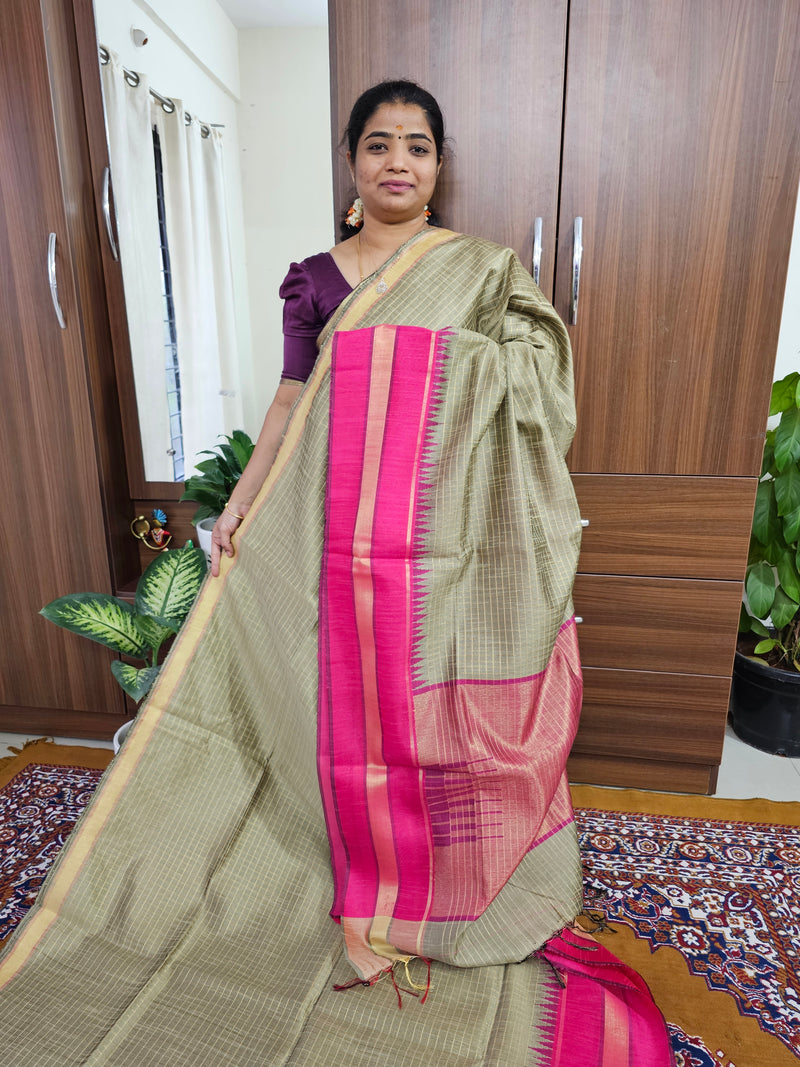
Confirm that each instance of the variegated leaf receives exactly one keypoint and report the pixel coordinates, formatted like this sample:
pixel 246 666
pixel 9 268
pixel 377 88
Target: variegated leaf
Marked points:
pixel 154 633
pixel 168 587
pixel 136 681
pixel 101 618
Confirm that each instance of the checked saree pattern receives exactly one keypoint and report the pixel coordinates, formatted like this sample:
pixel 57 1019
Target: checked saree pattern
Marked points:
pixel 367 715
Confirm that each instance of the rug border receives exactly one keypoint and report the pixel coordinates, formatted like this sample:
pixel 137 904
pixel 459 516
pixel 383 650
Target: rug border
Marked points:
pixel 40 750
pixel 687 805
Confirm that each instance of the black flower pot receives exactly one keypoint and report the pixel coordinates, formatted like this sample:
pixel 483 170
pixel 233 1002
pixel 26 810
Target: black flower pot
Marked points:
pixel 765 706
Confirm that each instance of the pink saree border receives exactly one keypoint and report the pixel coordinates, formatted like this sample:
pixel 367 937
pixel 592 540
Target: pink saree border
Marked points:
pixel 381 837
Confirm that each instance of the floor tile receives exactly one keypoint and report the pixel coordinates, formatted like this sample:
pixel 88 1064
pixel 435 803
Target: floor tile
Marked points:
pixel 748 772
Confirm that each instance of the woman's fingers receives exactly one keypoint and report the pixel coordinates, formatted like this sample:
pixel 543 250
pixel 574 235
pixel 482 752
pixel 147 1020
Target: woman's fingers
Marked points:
pixel 224 528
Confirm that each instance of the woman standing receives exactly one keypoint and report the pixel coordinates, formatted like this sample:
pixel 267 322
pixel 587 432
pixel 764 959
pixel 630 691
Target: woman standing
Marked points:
pixel 382 682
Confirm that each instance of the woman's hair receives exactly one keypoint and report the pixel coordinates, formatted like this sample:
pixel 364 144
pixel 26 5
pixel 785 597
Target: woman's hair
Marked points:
pixel 392 92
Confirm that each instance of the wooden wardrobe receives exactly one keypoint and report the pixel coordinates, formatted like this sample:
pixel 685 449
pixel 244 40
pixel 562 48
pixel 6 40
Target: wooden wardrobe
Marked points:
pixel 65 509
pixel 669 128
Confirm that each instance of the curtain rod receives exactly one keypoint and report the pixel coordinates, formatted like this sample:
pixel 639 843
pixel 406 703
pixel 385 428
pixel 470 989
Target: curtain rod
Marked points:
pixel 133 79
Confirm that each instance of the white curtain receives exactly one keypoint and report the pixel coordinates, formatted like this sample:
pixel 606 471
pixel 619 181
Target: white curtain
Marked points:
pixel 197 236
pixel 129 127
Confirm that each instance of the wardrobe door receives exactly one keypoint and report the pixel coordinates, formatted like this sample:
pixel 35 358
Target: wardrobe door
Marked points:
pixel 53 518
pixel 497 69
pixel 681 158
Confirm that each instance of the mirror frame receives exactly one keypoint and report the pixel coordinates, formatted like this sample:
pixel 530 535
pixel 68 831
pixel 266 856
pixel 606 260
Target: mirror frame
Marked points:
pixel 138 485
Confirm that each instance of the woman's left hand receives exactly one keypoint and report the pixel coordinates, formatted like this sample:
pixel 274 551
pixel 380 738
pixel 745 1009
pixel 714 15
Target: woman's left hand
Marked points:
pixel 224 528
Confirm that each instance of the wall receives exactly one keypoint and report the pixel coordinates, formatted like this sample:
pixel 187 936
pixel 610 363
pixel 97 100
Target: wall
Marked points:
pixel 284 130
pixel 788 357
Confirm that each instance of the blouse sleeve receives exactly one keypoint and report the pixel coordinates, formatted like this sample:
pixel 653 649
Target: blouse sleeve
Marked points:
pixel 302 322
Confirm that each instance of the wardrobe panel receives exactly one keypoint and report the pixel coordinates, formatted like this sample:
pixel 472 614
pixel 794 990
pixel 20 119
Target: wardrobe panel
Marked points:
pixel 677 625
pixel 665 527
pixel 681 156
pixel 648 715
pixel 53 519
pixel 642 774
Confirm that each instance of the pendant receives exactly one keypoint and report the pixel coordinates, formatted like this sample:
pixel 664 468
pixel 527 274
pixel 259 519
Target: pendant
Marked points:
pixel 381 287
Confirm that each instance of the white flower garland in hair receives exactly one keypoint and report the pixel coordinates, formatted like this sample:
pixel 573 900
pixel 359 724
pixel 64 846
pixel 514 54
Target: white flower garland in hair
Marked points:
pixel 355 216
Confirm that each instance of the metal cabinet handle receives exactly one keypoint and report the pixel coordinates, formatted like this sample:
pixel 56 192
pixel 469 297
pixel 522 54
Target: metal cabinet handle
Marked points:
pixel 107 211
pixel 537 248
pixel 578 620
pixel 577 252
pixel 51 274
pixel 584 523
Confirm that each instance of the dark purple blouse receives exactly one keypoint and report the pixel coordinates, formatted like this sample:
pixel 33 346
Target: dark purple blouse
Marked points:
pixel 311 291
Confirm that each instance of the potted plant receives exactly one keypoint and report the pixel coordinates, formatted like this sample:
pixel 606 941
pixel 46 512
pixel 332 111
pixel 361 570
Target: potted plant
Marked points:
pixel 212 487
pixel 164 596
pixel 765 696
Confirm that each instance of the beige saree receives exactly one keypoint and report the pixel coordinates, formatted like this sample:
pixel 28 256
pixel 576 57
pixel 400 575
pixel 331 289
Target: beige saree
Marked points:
pixel 366 719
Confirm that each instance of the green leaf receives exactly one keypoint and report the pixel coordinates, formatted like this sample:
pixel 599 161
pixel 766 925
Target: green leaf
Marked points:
pixel 154 633
pixel 242 447
pixel 229 462
pixel 787 439
pixel 787 490
pixel 168 587
pixel 788 575
pixel 101 618
pixel 760 588
pixel 768 458
pixel 766 525
pixel 785 393
pixel 221 460
pixel 136 681
pixel 207 497
pixel 210 469
pixel 772 551
pixel 765 646
pixel 747 624
pixel 783 609
pixel 204 512
pixel 791 526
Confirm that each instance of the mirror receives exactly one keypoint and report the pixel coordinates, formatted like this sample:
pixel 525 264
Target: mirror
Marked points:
pixel 262 87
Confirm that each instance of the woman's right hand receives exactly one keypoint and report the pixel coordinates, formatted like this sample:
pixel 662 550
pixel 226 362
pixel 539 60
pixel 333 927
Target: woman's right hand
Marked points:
pixel 224 528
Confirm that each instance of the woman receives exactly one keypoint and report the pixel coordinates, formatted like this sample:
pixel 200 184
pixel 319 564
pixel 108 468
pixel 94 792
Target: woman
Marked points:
pixel 392 634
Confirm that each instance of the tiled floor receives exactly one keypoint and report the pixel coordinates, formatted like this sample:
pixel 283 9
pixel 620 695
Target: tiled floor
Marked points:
pixel 745 771
pixel 748 772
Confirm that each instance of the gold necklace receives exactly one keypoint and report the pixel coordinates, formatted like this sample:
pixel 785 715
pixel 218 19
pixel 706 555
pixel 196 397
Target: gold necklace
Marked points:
pixel 381 287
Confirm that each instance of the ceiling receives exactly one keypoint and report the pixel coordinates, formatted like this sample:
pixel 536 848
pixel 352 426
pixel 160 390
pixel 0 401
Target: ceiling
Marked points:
pixel 248 14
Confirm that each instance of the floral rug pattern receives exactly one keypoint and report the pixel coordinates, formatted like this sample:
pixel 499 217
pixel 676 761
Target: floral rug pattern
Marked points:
pixel 38 809
pixel 691 1052
pixel 725 894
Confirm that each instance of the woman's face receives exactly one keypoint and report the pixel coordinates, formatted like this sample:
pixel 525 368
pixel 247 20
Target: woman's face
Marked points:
pixel 395 166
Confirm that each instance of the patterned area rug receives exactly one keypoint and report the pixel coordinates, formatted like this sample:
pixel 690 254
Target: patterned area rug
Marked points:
pixel 705 905
pixel 719 895
pixel 43 791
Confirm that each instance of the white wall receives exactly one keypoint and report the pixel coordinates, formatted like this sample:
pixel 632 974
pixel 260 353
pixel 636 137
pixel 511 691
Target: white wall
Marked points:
pixel 788 357
pixel 284 131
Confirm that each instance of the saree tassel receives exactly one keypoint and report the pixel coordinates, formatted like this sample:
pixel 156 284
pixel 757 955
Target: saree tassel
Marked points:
pixel 424 996
pixel 559 976
pixel 396 988
pixel 364 981
pixel 419 991
pixel 422 988
pixel 598 921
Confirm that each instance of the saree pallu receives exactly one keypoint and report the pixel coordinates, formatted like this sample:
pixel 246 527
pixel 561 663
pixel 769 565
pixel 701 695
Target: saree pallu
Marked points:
pixel 368 714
